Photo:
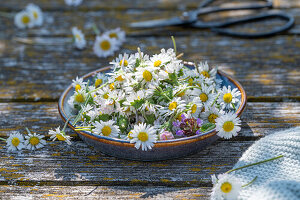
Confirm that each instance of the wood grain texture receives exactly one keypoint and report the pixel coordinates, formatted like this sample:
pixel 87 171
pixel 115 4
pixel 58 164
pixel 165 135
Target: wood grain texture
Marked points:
pixel 98 192
pixel 89 5
pixel 259 118
pixel 265 67
pixel 78 164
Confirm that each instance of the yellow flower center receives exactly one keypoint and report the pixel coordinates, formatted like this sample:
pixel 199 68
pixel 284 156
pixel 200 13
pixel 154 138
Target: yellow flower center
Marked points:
pixel 226 187
pixel 105 45
pixel 79 98
pixel 129 135
pixel 203 97
pixel 190 81
pixel 228 126
pixel 98 82
pixel 173 105
pixel 112 86
pixel 147 75
pixel 120 78
pixel 15 141
pixel 212 118
pixel 25 19
pixel 35 15
pixel 227 97
pixel 143 136
pixel 106 130
pixel 125 63
pixel 205 73
pixel 78 36
pixel 113 35
pixel 157 63
pixel 34 141
pixel 194 108
pixel 77 87
pixel 60 137
pixel 105 96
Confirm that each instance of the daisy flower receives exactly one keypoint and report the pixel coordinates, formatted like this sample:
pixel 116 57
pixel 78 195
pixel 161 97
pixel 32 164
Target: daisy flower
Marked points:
pixel 123 60
pixel 158 60
pixel 177 104
pixel 24 19
pixel 206 95
pixel 228 97
pixel 37 14
pixel 104 46
pixel 107 129
pixel 226 187
pixel 79 96
pixel 143 135
pixel 117 34
pixel 73 2
pixel 79 39
pixel 34 141
pixel 60 135
pixel 195 107
pixel 15 142
pixel 228 125
pixel 100 79
pixel 203 69
pixel 146 74
pixel 211 114
pixel 78 83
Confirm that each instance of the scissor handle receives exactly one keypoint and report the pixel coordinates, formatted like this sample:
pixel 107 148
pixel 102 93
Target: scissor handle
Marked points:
pixel 290 22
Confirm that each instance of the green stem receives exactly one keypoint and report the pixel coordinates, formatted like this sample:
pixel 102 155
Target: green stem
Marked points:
pixel 2 139
pixel 250 182
pixel 28 131
pixel 66 123
pixel 95 29
pixel 174 44
pixel 215 100
pixel 233 106
pixel 257 163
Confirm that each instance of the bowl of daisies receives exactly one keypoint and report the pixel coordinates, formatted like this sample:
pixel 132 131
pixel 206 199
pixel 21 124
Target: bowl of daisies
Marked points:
pixel 150 108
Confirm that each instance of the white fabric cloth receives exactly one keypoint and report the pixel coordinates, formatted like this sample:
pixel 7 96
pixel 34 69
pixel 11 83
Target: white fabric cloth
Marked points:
pixel 278 179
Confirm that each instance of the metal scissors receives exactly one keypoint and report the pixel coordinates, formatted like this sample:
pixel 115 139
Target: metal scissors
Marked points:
pixel 191 19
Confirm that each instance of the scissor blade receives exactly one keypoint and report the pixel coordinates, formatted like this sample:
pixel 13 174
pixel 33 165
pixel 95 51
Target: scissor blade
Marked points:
pixel 157 23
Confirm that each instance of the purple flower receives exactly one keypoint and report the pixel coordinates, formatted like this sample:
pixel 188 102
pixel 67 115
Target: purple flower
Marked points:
pixel 198 132
pixel 176 123
pixel 180 133
pixel 183 118
pixel 166 135
pixel 199 122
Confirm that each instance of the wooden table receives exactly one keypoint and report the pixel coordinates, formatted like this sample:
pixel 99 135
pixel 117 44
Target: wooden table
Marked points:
pixel 32 77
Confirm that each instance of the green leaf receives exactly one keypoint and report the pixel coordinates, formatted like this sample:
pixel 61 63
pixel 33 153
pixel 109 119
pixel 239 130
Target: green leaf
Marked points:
pixel 104 117
pixel 207 127
pixel 122 122
pixel 150 118
pixel 138 103
pixel 137 62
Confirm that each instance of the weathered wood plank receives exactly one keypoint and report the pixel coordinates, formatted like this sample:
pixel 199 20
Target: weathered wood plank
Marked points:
pixel 265 67
pixel 128 4
pixel 78 164
pixel 54 26
pixel 96 192
pixel 258 119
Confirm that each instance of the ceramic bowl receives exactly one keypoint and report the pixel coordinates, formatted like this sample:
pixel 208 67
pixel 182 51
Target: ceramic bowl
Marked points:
pixel 162 150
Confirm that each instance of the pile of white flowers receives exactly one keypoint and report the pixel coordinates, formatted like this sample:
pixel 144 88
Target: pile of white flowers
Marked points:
pixel 145 99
